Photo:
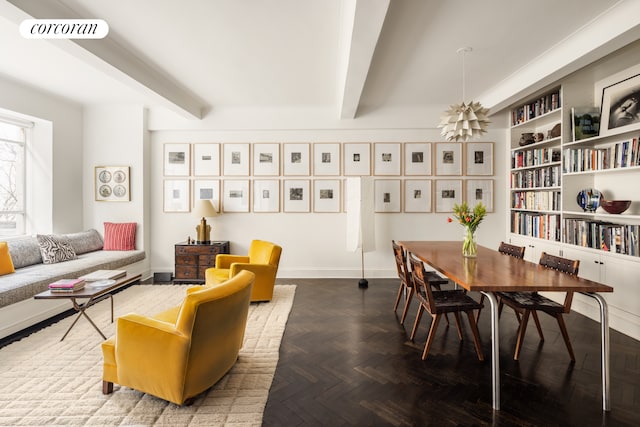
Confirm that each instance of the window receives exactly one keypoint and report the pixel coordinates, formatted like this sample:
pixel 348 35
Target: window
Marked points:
pixel 13 143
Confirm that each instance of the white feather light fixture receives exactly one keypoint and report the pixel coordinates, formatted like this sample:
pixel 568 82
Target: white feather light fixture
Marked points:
pixel 464 121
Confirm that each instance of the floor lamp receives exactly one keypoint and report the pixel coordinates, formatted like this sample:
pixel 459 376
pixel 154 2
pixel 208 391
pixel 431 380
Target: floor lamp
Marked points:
pixel 360 219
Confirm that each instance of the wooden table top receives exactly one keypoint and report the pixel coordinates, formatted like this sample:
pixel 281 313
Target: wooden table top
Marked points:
pixel 91 289
pixel 492 271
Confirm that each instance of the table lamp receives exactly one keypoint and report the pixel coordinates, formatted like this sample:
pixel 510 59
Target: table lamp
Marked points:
pixel 203 209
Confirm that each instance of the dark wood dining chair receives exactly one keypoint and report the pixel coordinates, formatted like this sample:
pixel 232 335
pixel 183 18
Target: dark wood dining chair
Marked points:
pixel 516 252
pixel 406 280
pixel 526 303
pixel 439 303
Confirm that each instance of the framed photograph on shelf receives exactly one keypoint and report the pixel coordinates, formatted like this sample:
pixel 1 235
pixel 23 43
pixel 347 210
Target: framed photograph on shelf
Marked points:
pixel 417 158
pixel 448 157
pixel 176 195
pixel 176 159
pixel 235 159
pixel 326 195
pixel 621 106
pixel 386 195
pixel 296 195
pixel 266 195
pixel 387 159
pixel 266 159
pixel 112 184
pixel 207 189
pixel 417 195
pixel 296 159
pixel 479 158
pixel 448 192
pixel 206 159
pixel 236 195
pixel 479 190
pixel 357 159
pixel 326 159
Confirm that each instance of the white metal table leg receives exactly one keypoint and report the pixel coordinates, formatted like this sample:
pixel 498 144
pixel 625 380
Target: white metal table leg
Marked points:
pixel 605 358
pixel 495 349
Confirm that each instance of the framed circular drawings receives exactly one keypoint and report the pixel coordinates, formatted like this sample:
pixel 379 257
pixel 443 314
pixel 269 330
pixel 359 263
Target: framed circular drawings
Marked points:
pixel 112 184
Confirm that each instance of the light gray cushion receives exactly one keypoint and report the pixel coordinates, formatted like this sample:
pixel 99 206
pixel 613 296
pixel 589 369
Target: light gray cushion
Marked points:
pixel 85 241
pixel 24 251
pixel 55 249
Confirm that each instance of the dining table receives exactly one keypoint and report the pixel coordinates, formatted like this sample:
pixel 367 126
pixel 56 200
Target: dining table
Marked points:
pixel 490 272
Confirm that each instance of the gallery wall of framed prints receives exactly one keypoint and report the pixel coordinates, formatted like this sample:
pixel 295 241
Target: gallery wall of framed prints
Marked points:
pixel 304 177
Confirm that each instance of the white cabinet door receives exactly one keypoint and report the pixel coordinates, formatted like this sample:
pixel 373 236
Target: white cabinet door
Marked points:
pixel 535 247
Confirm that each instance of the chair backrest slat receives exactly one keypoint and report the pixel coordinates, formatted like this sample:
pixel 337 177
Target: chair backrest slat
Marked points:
pixel 564 265
pixel 513 250
pixel 401 264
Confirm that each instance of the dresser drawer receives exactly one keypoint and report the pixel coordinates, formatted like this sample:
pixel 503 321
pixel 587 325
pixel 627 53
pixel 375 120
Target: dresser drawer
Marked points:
pixel 185 272
pixel 187 260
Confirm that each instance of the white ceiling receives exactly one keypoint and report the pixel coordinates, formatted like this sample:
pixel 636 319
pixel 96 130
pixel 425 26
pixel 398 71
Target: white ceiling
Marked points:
pixel 198 56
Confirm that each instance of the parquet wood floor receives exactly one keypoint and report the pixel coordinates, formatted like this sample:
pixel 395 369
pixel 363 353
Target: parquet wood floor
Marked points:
pixel 345 360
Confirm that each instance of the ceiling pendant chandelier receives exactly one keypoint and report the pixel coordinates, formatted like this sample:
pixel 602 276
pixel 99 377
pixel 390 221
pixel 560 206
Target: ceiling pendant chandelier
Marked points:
pixel 464 121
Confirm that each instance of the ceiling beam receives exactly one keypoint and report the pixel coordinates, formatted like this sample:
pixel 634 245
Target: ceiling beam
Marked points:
pixel 361 28
pixel 113 60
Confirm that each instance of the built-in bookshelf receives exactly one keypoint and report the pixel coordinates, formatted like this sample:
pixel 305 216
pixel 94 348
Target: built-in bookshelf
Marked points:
pixel 537 107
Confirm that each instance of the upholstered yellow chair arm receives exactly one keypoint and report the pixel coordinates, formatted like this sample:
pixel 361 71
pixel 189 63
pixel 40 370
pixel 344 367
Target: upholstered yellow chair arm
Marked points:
pixel 258 269
pixel 225 260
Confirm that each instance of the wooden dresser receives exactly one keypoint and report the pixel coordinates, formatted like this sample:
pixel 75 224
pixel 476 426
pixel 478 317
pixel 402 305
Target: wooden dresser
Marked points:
pixel 193 259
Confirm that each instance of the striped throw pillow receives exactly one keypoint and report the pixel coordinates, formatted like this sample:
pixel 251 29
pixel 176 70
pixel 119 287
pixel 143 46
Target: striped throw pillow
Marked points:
pixel 119 236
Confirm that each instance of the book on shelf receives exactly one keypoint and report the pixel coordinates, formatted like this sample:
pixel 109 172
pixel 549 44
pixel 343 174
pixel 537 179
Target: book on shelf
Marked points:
pixel 66 285
pixel 103 275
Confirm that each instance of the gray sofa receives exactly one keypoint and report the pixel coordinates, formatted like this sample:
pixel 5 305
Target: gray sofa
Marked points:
pixel 32 276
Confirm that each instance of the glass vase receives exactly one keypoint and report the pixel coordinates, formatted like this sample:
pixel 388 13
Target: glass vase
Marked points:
pixel 469 247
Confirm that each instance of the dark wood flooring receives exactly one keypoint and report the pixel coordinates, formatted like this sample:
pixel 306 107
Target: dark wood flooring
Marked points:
pixel 345 360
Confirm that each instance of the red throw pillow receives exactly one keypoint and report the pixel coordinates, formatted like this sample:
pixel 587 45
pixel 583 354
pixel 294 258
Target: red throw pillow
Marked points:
pixel 119 236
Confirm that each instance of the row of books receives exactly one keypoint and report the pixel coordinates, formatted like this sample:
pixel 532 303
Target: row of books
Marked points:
pixel 536 178
pixel 73 285
pixel 536 200
pixel 535 157
pixel 619 155
pixel 540 106
pixel 606 236
pixel 542 226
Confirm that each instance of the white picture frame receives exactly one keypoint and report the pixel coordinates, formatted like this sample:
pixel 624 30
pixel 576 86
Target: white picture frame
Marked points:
pixel 417 195
pixel 112 184
pixel 206 159
pixel 266 195
pixel 207 189
pixel 326 159
pixel 479 190
pixel 236 195
pixel 176 195
pixel 387 195
pixel 266 159
pixel 448 158
pixel 387 159
pixel 326 195
pixel 235 159
pixel 448 192
pixel 479 156
pixel 296 159
pixel 417 158
pixel 176 159
pixel 357 159
pixel 295 193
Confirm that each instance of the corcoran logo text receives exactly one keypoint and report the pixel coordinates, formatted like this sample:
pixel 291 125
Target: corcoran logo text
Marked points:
pixel 64 29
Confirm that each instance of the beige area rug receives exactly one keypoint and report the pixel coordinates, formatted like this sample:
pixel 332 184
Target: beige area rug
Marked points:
pixel 45 382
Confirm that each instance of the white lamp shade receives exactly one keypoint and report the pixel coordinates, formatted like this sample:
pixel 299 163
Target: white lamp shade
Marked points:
pixel 205 208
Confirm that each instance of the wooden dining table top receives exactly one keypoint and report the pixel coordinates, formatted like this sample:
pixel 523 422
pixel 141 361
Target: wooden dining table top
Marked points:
pixel 492 271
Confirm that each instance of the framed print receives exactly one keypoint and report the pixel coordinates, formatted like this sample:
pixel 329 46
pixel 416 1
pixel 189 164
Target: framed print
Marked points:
pixel 296 159
pixel 417 158
pixel 386 159
pixel 206 159
pixel 236 195
pixel 112 184
pixel 386 195
pixel 357 159
pixel 448 192
pixel 479 190
pixel 417 195
pixel 326 195
pixel 621 106
pixel 176 195
pixel 326 159
pixel 235 159
pixel 448 157
pixel 266 195
pixel 207 189
pixel 296 195
pixel 266 159
pixel 176 159
pixel 479 158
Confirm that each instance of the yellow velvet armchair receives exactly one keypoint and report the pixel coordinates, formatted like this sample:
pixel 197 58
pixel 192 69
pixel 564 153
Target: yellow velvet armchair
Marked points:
pixel 179 353
pixel 263 260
